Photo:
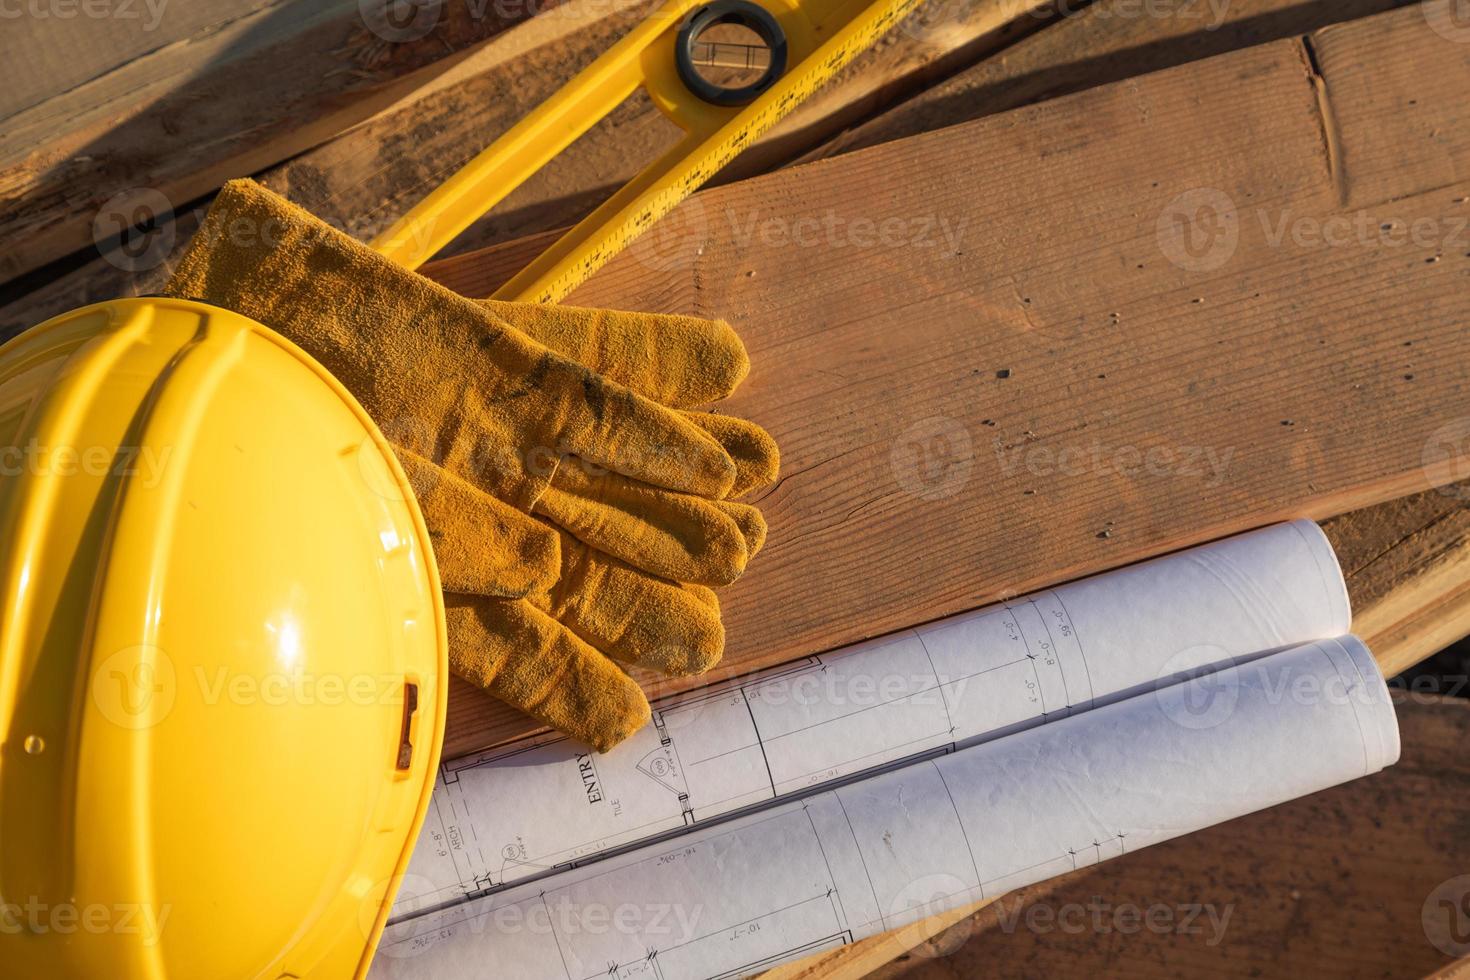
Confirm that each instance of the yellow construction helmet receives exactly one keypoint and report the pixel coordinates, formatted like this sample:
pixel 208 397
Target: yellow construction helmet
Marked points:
pixel 222 654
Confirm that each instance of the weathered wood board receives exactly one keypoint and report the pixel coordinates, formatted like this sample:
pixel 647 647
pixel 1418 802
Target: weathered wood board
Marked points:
pixel 1087 376
pixel 162 102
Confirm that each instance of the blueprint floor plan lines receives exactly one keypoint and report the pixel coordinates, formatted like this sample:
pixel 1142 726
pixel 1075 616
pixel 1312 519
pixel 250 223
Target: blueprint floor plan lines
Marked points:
pixel 830 719
pixel 727 897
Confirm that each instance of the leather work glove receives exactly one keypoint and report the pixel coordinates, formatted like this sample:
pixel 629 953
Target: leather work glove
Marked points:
pixel 536 606
pixel 544 645
pixel 462 384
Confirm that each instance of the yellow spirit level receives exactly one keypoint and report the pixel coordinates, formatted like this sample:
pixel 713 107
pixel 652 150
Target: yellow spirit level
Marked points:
pixel 808 41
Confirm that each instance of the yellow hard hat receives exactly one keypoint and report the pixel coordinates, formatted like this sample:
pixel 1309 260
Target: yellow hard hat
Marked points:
pixel 222 654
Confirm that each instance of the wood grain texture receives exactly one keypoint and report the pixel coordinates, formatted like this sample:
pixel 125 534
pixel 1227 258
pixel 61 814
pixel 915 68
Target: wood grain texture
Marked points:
pixel 1051 394
pixel 1100 43
pixel 1407 565
pixel 1341 883
pixel 363 179
pixel 371 176
pixel 188 95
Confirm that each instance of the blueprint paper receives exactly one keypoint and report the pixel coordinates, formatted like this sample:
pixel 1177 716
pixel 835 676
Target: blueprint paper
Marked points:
pixel 737 896
pixel 537 805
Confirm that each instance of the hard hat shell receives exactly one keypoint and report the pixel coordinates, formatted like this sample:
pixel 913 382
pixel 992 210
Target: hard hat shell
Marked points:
pixel 222 654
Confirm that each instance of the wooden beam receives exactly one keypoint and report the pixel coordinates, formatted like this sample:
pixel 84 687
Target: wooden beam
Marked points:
pixel 1080 389
pixel 1099 44
pixel 185 96
pixel 366 177
pixel 376 174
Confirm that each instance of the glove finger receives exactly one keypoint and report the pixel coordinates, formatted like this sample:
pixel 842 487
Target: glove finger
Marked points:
pixel 756 455
pixel 750 520
pixel 530 661
pixel 634 617
pixel 415 354
pixel 677 361
pixel 673 535
pixel 482 545
pixel 621 431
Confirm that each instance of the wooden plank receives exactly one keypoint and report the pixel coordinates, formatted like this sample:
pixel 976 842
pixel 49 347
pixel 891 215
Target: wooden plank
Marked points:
pixel 1342 883
pixel 185 96
pixel 365 178
pixel 1055 345
pixel 1408 570
pixel 369 172
pixel 1407 562
pixel 1099 44
pixel 1407 565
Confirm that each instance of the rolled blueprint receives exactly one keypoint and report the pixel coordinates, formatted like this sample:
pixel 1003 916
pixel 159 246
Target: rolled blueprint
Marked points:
pixel 542 804
pixel 734 897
